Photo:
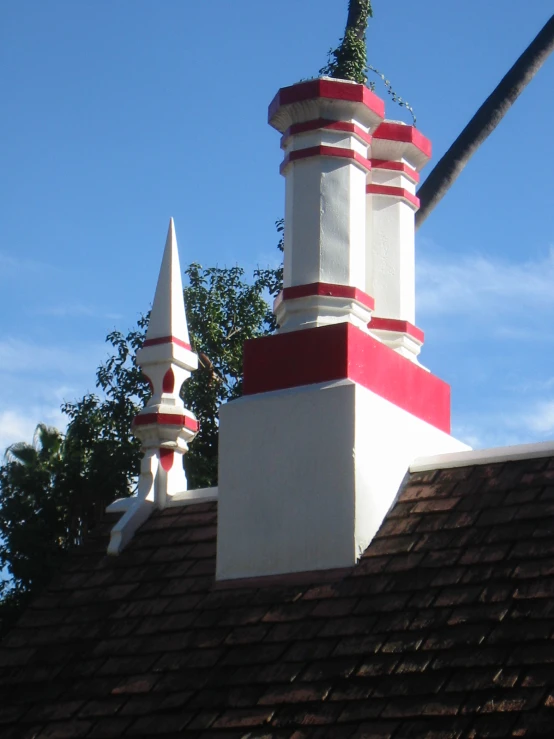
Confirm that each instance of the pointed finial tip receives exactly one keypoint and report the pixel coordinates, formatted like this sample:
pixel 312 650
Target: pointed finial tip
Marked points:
pixel 171 235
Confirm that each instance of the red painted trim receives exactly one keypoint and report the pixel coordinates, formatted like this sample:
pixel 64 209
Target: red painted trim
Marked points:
pixel 395 167
pixel 168 383
pixel 406 134
pixel 326 89
pixel 395 324
pixel 325 151
pixel 166 419
pixel 328 289
pixel 327 125
pixel 395 192
pixel 167 340
pixel 166 458
pixel 343 351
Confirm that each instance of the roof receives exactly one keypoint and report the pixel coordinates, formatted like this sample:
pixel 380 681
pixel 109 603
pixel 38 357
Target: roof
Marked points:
pixel 442 630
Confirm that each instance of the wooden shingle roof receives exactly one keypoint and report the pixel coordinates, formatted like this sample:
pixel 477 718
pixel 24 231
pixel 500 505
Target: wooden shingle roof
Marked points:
pixel 442 630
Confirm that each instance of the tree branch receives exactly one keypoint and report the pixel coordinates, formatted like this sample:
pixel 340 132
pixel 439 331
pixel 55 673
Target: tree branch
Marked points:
pixel 483 123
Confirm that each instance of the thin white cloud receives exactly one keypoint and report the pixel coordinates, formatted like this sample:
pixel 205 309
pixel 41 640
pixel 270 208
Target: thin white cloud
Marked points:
pixel 12 266
pixel 36 378
pixel 75 310
pixel 487 430
pixel 23 356
pixel 540 419
pixel 484 285
pixel 17 425
pixel 516 423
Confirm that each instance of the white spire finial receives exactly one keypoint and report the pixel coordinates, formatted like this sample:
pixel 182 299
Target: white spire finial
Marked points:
pixel 164 425
pixel 167 317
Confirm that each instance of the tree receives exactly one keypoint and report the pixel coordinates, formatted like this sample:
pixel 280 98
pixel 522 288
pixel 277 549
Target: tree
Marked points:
pixel 54 491
pixel 485 120
pixel 33 533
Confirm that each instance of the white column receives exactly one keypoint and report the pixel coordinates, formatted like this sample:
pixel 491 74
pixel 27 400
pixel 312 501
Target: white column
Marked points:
pixel 398 152
pixel 326 126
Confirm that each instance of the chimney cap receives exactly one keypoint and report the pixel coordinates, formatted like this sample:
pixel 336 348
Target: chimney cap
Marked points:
pixel 325 97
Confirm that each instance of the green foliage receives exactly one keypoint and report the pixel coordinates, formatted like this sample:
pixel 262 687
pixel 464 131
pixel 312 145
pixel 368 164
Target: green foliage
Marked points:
pixel 349 60
pixel 54 491
pixel 394 95
pixel 33 525
pixel 224 310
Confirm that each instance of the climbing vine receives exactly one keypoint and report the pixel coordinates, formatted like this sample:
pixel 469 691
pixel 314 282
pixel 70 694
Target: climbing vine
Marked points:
pixel 394 95
pixel 349 60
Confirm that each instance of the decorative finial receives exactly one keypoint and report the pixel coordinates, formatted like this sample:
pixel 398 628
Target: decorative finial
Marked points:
pixel 164 426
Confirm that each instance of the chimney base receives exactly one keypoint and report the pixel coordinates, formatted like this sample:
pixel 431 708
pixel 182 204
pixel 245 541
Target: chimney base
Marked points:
pixel 307 475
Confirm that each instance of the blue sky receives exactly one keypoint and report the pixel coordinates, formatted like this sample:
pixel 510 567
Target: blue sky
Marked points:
pixel 118 115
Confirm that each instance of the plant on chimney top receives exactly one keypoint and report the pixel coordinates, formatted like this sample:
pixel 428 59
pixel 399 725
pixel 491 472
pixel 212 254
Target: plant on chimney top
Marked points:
pixel 349 60
pixel 390 91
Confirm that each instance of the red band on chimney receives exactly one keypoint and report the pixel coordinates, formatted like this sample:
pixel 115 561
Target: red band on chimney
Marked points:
pixel 327 125
pixel 166 458
pixel 326 89
pixel 395 167
pixel 167 340
pixel 328 289
pixel 168 383
pixel 342 351
pixel 166 419
pixel 394 324
pixel 325 151
pixel 406 134
pixel 394 192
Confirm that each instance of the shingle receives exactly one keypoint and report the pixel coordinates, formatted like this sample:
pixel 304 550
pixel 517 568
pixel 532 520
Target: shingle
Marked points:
pixel 442 629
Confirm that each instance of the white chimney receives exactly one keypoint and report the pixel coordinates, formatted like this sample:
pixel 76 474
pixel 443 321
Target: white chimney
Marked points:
pixel 326 126
pixel 398 153
pixel 312 456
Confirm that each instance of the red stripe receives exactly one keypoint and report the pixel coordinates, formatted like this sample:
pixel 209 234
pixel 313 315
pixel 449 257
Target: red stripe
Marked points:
pixel 339 352
pixel 326 89
pixel 394 324
pixel 166 458
pixel 167 340
pixel 329 289
pixel 325 151
pixel 406 134
pixel 168 382
pixel 325 124
pixel 395 167
pixel 166 419
pixel 396 192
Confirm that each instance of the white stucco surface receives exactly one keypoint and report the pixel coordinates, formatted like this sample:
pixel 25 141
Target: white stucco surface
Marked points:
pixel 307 475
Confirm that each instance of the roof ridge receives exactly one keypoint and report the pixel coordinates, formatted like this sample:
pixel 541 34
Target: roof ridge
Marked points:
pixel 483 456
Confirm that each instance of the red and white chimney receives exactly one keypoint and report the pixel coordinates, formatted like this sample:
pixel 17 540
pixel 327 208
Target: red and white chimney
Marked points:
pixel 335 404
pixel 398 153
pixel 326 128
